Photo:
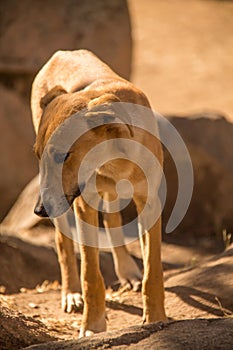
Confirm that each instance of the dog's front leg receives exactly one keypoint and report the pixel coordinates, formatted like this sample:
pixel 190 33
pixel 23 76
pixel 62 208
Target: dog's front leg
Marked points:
pixel 152 284
pixel 126 268
pixel 71 287
pixel 94 318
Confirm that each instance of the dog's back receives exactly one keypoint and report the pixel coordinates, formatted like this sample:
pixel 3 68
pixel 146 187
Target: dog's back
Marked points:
pixel 73 70
pixel 77 70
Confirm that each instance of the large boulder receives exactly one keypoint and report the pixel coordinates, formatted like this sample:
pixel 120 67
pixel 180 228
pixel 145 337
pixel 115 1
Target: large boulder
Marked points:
pixel 42 28
pixel 21 216
pixel 208 138
pixel 17 162
pixel 102 26
pixel 211 132
pixel 20 259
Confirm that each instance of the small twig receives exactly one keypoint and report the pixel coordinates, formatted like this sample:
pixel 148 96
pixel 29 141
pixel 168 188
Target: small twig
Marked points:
pixel 224 311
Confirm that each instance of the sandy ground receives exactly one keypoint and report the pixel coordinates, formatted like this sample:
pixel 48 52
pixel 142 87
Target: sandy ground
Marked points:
pixel 197 284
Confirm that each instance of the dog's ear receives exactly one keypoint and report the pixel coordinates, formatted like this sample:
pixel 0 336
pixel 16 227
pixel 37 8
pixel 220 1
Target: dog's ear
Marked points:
pixel 103 110
pixel 51 95
pixel 101 100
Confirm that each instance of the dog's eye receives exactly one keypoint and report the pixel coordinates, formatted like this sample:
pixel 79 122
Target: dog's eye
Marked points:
pixel 60 157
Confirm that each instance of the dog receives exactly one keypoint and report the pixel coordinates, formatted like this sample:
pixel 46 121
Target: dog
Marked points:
pixel 73 83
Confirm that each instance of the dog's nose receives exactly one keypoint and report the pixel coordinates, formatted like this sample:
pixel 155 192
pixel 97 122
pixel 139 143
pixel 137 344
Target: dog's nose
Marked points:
pixel 40 211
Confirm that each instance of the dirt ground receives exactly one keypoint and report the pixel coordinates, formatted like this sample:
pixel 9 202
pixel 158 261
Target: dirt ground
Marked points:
pixel 198 285
pixel 183 62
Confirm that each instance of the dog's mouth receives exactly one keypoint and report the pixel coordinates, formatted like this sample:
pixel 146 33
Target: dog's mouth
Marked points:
pixel 47 210
pixel 71 197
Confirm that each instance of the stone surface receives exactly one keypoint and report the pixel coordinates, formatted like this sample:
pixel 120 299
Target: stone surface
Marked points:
pixel 102 26
pixel 208 138
pixel 18 331
pixel 30 34
pixel 21 215
pixel 17 162
pixel 25 265
pixel 181 335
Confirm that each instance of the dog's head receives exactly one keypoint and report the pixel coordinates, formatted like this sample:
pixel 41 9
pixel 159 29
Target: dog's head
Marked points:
pixel 72 124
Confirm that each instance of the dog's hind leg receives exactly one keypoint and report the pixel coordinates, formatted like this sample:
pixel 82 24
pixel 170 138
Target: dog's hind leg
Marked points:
pixel 126 268
pixel 71 287
pixel 93 288
pixel 150 237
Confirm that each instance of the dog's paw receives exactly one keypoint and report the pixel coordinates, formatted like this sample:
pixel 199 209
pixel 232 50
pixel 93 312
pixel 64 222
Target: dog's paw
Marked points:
pixel 72 302
pixel 98 325
pixel 135 285
pixel 86 333
pixel 129 275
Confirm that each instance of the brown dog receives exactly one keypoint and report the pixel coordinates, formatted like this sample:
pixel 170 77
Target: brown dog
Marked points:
pixel 72 82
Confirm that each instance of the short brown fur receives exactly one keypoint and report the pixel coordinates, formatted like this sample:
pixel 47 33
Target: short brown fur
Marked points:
pixel 86 82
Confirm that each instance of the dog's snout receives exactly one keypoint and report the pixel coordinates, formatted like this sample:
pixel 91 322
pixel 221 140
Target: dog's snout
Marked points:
pixel 80 189
pixel 40 209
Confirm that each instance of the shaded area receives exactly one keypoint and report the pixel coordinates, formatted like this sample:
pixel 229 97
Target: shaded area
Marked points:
pixel 206 334
pixel 25 265
pixel 18 331
pixel 187 295
pixel 134 310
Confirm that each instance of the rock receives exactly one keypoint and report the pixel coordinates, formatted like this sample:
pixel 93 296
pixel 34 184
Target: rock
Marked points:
pixel 19 261
pixel 208 139
pixel 102 26
pixel 17 163
pixel 21 215
pixel 210 132
pixel 18 331
pixel 188 334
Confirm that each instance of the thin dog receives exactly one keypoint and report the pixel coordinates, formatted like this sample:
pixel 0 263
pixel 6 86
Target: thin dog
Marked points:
pixel 77 82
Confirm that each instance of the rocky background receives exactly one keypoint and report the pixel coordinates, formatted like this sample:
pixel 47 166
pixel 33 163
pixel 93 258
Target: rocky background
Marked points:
pixel 180 55
pixel 29 36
